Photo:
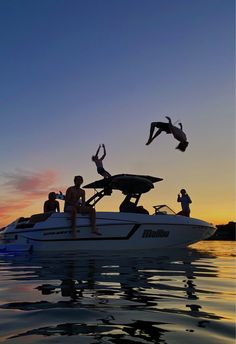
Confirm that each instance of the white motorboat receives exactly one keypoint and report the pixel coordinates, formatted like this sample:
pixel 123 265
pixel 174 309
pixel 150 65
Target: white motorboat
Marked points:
pixel 133 228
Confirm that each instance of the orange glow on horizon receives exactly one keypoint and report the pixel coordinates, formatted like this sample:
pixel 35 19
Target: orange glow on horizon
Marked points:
pixel 112 204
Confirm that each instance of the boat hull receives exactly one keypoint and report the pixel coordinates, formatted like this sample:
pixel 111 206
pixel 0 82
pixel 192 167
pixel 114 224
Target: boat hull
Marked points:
pixel 119 231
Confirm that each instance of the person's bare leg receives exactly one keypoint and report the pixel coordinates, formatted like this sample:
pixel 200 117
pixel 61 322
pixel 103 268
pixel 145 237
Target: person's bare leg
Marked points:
pixel 152 128
pixel 73 222
pixel 92 214
pixel 93 220
pixel 106 174
pixel 156 134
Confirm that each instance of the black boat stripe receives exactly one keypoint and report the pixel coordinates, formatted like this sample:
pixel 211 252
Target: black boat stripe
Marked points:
pixel 69 228
pixel 127 237
pixel 31 225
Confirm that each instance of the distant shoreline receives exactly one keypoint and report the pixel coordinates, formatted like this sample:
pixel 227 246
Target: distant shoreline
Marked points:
pixel 224 232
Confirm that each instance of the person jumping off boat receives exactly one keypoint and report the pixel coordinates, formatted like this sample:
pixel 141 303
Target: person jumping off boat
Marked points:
pixel 169 128
pixel 99 162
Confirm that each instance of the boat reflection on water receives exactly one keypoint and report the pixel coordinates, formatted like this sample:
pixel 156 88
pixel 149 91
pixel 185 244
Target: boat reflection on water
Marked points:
pixel 138 298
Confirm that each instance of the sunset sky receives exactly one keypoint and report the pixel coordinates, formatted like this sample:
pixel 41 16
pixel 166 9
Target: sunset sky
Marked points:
pixel 76 73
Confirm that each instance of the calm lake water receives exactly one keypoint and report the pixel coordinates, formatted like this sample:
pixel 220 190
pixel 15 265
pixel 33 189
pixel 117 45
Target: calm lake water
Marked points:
pixel 174 296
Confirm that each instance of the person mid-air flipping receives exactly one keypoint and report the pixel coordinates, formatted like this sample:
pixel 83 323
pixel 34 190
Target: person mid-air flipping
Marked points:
pixel 99 163
pixel 169 128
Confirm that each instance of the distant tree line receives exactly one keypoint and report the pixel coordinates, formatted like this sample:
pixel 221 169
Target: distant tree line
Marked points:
pixel 225 232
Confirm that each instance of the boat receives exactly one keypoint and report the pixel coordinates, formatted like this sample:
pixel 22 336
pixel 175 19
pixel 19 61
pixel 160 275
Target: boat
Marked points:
pixel 132 228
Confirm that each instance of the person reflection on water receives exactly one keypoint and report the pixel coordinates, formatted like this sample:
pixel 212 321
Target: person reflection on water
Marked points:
pixel 75 203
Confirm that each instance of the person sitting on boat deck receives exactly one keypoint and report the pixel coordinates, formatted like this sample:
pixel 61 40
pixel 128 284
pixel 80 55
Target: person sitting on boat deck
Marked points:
pixel 185 200
pixel 75 203
pixel 51 205
pixel 169 128
pixel 129 207
pixel 99 162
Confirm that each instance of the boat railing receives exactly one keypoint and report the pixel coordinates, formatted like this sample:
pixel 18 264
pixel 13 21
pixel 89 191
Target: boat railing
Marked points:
pixel 163 209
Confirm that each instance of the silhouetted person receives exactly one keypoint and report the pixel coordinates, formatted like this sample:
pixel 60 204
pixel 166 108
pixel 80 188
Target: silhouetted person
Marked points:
pixel 185 200
pixel 99 162
pixel 169 128
pixel 129 207
pixel 51 204
pixel 75 203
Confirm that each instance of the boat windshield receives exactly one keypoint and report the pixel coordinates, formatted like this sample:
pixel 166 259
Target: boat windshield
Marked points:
pixel 163 209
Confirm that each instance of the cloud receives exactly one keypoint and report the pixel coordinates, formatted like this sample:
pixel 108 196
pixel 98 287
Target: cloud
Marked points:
pixel 7 208
pixel 29 183
pixel 20 187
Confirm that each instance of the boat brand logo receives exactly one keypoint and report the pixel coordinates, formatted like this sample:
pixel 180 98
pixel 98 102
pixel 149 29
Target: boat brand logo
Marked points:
pixel 148 233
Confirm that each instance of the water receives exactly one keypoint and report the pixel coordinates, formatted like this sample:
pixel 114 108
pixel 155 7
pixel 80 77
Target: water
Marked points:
pixel 174 296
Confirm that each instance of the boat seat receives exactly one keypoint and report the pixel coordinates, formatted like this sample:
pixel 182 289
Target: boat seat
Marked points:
pixel 23 219
pixel 40 217
pixel 132 208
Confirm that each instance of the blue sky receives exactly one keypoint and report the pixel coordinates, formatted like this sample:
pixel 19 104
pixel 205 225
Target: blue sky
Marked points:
pixel 78 73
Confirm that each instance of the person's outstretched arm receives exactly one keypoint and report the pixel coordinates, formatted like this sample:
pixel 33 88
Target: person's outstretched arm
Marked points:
pixel 104 152
pixel 98 151
pixel 169 119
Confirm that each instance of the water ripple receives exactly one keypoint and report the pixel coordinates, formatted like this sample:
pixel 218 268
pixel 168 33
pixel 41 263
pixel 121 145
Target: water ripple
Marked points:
pixel 177 296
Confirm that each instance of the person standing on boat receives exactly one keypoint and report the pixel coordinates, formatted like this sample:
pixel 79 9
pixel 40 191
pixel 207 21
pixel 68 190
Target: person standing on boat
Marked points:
pixel 51 205
pixel 185 200
pixel 169 128
pixel 99 162
pixel 75 203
